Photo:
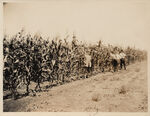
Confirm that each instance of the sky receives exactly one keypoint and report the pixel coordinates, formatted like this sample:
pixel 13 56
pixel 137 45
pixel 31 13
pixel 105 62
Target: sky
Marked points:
pixel 116 22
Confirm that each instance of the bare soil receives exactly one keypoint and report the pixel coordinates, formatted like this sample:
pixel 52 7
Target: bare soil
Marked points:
pixel 122 91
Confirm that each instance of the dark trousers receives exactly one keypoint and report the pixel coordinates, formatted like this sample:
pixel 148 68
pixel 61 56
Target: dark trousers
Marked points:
pixel 115 64
pixel 122 63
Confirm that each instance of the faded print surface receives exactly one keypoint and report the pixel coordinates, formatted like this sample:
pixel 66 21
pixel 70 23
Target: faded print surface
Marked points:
pixel 67 56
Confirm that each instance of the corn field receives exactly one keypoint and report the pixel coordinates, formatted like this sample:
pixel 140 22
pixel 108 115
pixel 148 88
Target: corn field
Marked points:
pixel 30 58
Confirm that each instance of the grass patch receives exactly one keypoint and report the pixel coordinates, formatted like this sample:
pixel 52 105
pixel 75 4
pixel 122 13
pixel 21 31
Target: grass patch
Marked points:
pixel 137 69
pixel 96 97
pixel 123 90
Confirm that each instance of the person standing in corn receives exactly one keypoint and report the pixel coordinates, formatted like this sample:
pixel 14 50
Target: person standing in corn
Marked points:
pixel 122 59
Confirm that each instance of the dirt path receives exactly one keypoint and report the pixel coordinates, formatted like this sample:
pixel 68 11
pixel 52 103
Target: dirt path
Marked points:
pixel 123 91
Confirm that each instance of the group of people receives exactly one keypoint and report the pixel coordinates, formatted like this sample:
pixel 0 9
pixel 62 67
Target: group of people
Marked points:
pixel 118 58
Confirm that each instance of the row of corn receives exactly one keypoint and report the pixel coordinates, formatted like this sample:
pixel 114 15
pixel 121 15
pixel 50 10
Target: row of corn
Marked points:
pixel 30 59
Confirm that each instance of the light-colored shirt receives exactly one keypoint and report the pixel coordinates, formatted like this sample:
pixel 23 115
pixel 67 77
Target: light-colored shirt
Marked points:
pixel 87 60
pixel 118 56
pixel 112 55
pixel 122 55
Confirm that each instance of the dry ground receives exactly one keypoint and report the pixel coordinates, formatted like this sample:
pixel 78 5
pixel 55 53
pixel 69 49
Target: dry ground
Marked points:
pixel 123 91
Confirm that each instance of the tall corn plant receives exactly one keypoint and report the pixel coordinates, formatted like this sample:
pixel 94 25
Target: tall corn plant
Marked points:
pixel 12 66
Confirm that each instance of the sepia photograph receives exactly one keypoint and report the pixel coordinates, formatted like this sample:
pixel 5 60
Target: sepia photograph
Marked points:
pixel 76 56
